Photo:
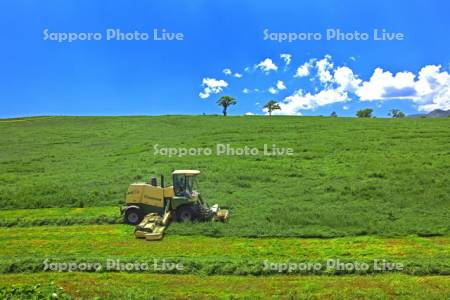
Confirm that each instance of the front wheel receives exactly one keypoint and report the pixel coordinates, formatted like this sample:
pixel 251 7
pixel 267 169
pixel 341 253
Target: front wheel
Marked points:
pixel 133 216
pixel 185 213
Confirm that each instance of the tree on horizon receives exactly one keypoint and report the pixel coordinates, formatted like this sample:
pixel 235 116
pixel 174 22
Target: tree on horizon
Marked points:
pixel 226 101
pixel 271 106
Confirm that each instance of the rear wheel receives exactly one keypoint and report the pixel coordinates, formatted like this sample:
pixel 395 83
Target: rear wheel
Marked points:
pixel 185 213
pixel 133 216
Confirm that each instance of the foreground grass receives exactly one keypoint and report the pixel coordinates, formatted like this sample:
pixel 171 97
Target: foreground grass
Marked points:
pixel 346 177
pixel 146 286
pixel 60 216
pixel 25 249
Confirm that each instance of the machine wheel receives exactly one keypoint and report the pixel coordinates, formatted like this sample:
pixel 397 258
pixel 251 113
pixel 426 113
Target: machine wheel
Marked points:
pixel 133 215
pixel 185 213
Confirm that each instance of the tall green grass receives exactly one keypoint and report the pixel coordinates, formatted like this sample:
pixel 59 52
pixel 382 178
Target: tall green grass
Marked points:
pixel 346 177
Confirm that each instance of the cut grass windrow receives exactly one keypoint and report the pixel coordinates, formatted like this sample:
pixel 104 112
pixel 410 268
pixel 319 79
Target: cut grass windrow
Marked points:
pixel 151 286
pixel 111 215
pixel 26 249
pixel 60 216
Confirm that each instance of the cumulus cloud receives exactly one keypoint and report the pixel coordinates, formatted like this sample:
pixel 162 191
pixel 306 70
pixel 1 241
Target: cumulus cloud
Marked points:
pixel 280 85
pixel 292 105
pixel 304 70
pixel 324 68
pixel 384 85
pixel 429 90
pixel 273 90
pixel 227 71
pixel 287 58
pixel 267 65
pixel 246 91
pixel 249 114
pixel 346 79
pixel 337 83
pixel 433 88
pixel 212 86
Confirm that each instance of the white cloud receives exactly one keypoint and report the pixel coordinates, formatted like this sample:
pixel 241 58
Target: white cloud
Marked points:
pixel 246 91
pixel 384 85
pixel 324 66
pixel 303 70
pixel 212 86
pixel 280 85
pixel 249 114
pixel 267 65
pixel 227 71
pixel 352 58
pixel 292 105
pixel 431 89
pixel 342 77
pixel 287 58
pixel 345 107
pixel 346 80
pixel 272 90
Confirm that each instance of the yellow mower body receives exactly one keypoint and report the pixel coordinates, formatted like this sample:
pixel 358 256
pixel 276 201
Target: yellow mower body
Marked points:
pixel 148 194
pixel 151 207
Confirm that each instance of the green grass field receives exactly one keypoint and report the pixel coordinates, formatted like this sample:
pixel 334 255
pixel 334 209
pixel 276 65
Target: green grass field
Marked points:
pixel 346 177
pixel 150 286
pixel 25 249
pixel 355 190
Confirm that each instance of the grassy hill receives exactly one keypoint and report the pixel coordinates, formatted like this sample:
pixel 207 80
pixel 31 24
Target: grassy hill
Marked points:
pixel 347 176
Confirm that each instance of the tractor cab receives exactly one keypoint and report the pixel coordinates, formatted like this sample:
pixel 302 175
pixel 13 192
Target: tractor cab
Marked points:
pixel 185 183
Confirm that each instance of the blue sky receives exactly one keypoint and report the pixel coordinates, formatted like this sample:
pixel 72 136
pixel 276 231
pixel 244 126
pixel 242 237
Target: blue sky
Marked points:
pixel 110 77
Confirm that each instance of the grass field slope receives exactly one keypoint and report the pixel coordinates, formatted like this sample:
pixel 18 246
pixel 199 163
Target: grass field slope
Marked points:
pixel 372 192
pixel 346 177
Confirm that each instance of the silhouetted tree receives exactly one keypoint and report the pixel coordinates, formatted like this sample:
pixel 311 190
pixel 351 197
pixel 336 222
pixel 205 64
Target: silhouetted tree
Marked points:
pixel 226 101
pixel 271 106
pixel 396 113
pixel 364 113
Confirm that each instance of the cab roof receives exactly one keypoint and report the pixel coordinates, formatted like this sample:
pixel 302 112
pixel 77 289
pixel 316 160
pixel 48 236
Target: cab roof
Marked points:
pixel 186 172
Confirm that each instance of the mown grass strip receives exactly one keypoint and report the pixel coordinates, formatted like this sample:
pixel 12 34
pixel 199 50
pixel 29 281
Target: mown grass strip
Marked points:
pixel 60 216
pixel 111 215
pixel 146 286
pixel 25 249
